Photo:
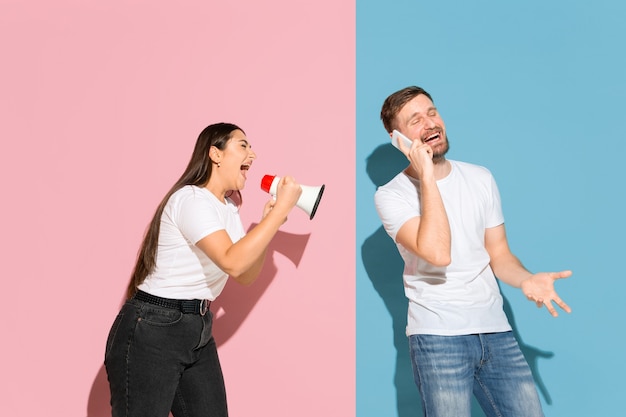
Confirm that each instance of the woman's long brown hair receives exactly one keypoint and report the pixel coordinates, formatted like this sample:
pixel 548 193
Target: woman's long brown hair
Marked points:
pixel 198 172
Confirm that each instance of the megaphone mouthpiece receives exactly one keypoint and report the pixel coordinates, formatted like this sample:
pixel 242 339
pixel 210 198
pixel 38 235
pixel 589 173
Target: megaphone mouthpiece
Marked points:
pixel 309 199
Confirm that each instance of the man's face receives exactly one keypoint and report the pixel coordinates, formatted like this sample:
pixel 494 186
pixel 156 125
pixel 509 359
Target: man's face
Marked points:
pixel 420 120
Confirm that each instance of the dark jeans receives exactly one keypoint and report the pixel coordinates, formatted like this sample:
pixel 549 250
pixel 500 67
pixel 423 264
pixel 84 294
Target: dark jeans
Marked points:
pixel 160 360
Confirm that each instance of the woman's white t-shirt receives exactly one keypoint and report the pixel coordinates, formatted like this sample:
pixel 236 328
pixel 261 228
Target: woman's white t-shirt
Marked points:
pixel 182 270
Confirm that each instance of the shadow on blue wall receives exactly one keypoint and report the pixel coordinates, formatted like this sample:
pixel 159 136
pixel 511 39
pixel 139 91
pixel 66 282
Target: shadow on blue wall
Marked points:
pixel 384 266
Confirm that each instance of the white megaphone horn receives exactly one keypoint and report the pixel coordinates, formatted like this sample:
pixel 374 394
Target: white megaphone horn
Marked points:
pixel 309 199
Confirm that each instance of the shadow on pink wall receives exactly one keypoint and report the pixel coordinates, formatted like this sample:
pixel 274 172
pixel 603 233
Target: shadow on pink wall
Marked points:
pixel 230 309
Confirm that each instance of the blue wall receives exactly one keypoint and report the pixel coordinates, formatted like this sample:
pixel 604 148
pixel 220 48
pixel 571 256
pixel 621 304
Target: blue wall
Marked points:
pixel 535 91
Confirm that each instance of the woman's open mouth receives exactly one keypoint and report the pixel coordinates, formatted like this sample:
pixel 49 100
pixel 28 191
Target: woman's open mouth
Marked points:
pixel 244 168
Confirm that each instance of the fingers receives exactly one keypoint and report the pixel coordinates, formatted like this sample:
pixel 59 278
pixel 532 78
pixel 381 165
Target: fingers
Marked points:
pixel 288 183
pixel 287 179
pixel 288 191
pixel 562 304
pixel 540 302
pixel 539 289
pixel 556 298
pixel 562 274
pixel 551 309
pixel 422 149
pixel 268 207
pixel 421 159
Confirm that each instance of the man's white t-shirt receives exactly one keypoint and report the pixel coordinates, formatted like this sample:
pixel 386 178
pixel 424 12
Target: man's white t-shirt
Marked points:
pixel 182 270
pixel 462 298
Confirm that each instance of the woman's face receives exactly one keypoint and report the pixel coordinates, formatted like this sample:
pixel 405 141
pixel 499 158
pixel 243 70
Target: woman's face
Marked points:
pixel 236 159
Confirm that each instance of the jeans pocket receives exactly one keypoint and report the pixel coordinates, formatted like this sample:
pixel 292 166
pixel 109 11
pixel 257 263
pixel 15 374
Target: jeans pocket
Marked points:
pixel 157 316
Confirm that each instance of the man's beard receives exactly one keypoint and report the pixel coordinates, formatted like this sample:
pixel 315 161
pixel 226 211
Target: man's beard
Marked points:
pixel 440 153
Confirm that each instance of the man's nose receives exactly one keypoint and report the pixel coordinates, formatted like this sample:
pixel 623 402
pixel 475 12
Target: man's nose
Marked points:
pixel 429 123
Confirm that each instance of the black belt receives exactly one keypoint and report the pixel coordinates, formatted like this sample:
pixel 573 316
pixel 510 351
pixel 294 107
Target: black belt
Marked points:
pixel 186 306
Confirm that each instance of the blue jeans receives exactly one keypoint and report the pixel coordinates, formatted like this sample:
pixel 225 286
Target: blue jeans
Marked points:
pixel 448 369
pixel 160 360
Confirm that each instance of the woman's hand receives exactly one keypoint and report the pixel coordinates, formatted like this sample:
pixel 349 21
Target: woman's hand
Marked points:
pixel 268 207
pixel 288 192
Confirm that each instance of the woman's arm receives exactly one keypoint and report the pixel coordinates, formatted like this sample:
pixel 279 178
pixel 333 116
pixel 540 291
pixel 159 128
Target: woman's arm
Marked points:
pixel 244 259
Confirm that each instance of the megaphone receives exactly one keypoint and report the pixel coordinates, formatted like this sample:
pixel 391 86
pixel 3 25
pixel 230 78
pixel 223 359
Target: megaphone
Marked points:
pixel 309 199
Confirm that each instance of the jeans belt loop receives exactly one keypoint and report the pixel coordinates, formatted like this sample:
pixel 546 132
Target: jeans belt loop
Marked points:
pixel 204 306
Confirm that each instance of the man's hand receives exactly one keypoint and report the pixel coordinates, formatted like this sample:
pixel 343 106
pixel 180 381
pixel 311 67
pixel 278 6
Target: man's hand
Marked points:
pixel 540 289
pixel 420 156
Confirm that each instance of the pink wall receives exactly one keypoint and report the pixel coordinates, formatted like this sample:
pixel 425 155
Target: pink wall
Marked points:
pixel 101 104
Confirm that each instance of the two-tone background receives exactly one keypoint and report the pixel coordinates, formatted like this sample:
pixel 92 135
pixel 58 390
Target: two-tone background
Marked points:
pixel 101 103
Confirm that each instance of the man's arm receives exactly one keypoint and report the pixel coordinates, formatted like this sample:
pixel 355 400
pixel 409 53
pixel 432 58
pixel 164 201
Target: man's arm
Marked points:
pixel 507 267
pixel 428 236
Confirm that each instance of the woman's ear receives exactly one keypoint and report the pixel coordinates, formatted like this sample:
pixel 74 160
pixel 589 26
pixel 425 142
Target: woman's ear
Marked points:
pixel 215 154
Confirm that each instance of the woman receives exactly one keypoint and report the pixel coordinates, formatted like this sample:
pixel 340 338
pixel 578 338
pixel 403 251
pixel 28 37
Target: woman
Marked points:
pixel 160 353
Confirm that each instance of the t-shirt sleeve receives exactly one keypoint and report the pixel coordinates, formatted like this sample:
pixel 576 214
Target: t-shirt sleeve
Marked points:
pixel 394 210
pixel 494 215
pixel 197 218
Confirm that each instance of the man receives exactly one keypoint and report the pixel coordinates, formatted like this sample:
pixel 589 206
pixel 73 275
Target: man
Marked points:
pixel 446 219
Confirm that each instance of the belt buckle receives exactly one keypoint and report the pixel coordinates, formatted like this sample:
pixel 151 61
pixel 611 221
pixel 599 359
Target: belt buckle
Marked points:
pixel 204 306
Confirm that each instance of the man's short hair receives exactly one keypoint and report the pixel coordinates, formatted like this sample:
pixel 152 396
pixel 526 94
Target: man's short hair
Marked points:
pixel 394 103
